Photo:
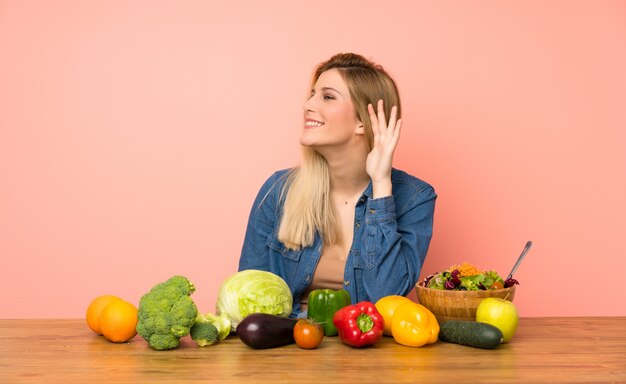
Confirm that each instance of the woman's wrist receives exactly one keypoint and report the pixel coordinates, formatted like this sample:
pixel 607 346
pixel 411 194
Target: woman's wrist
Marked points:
pixel 381 188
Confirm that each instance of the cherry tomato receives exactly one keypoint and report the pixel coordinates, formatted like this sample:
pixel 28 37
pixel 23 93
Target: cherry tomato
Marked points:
pixel 497 285
pixel 308 334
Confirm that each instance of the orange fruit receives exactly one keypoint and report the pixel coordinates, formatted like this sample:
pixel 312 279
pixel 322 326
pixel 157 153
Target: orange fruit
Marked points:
pixel 387 307
pixel 118 321
pixel 94 310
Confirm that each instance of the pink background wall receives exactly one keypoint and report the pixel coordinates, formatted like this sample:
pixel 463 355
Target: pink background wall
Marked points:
pixel 134 136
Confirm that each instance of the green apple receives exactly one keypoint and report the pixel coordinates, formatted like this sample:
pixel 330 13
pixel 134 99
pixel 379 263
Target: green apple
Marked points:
pixel 499 313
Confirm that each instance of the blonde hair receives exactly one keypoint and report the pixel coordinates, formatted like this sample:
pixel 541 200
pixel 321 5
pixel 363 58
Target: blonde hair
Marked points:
pixel 308 209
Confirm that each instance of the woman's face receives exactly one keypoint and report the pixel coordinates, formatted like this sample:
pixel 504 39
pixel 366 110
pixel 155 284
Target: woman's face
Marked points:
pixel 329 115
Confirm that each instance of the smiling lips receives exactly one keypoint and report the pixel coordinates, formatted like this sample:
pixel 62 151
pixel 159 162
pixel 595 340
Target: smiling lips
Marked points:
pixel 310 123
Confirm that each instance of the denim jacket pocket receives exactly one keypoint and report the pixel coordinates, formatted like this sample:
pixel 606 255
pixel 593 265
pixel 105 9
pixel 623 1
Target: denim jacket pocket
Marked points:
pixel 360 260
pixel 277 246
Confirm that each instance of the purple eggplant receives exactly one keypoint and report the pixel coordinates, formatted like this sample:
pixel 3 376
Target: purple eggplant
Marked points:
pixel 261 330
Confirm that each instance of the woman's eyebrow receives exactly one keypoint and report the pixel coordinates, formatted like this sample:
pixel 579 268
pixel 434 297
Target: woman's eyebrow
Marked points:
pixel 330 89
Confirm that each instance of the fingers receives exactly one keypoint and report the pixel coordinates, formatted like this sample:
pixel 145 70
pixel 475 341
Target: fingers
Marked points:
pixel 379 122
pixel 396 134
pixel 392 120
pixel 382 120
pixel 374 120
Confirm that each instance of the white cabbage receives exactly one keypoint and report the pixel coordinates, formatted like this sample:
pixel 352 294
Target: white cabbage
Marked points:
pixel 253 291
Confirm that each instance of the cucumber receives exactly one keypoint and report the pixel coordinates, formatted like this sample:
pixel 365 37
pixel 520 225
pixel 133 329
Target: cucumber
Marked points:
pixel 470 333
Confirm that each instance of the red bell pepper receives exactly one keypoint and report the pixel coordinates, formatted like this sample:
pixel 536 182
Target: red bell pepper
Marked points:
pixel 359 324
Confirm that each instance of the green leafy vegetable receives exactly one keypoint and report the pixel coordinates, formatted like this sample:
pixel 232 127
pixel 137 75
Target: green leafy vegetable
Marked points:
pixel 253 291
pixel 454 281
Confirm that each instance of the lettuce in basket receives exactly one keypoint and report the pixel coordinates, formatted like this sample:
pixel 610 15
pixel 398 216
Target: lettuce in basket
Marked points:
pixel 455 279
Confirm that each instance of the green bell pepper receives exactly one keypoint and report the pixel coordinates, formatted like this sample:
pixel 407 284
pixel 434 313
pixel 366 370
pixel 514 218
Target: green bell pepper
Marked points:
pixel 322 305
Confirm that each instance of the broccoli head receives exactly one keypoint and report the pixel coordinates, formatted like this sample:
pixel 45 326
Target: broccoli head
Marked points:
pixel 167 313
pixel 204 333
pixel 221 322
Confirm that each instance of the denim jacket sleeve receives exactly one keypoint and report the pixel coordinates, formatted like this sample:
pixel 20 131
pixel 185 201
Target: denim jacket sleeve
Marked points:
pixel 261 224
pixel 396 239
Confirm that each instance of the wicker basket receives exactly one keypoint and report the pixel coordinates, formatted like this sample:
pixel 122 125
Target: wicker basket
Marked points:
pixel 457 305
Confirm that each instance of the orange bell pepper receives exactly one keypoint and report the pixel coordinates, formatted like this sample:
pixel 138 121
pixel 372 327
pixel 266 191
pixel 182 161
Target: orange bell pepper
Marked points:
pixel 414 325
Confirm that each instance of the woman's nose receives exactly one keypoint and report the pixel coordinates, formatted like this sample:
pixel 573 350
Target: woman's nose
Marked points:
pixel 309 104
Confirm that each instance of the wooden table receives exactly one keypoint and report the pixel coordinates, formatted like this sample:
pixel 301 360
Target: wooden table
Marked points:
pixel 544 350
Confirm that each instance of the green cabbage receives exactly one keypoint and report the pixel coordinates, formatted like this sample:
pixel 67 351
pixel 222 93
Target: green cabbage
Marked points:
pixel 253 291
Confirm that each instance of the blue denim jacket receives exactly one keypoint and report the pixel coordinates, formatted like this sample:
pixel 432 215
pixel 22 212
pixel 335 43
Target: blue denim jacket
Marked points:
pixel 391 238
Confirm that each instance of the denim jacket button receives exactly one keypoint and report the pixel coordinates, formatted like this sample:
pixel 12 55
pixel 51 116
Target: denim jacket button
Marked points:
pixel 358 225
pixel 372 211
pixel 346 283
pixel 307 277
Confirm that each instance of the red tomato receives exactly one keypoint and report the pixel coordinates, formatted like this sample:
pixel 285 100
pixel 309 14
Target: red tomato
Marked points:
pixel 497 285
pixel 308 334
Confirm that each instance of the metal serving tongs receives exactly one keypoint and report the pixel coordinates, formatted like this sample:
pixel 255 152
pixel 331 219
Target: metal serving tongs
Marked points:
pixel 520 258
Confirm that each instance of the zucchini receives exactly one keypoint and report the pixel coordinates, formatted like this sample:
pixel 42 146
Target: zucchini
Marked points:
pixel 470 333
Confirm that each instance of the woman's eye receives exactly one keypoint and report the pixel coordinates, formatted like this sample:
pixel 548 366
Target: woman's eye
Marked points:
pixel 328 97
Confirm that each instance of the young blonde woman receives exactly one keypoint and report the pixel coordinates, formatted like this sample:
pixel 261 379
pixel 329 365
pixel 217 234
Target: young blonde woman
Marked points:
pixel 344 218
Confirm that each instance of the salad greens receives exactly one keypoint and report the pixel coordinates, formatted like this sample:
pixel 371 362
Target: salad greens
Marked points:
pixel 453 280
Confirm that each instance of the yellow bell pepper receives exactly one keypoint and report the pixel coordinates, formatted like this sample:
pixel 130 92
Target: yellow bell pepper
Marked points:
pixel 414 325
pixel 387 307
